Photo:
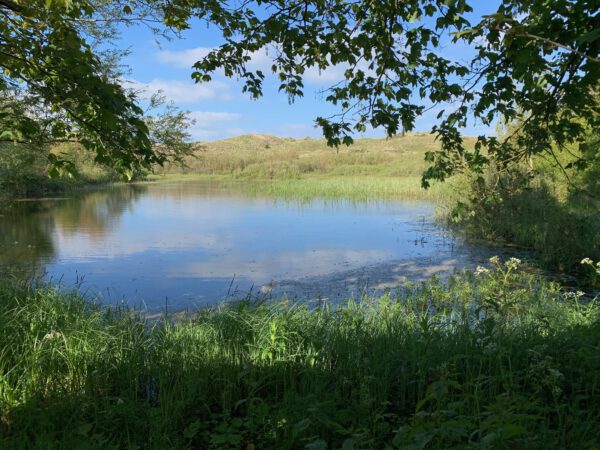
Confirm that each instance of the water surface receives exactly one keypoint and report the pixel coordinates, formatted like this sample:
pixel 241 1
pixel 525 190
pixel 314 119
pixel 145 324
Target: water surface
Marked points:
pixel 193 244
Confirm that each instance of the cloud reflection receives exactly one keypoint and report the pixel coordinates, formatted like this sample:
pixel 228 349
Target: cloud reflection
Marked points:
pixel 189 241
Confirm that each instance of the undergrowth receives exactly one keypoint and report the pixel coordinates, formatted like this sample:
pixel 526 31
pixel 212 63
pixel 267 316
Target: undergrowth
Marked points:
pixel 494 359
pixel 561 226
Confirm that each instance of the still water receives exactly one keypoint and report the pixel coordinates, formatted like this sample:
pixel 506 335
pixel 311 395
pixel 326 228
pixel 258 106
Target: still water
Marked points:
pixel 192 244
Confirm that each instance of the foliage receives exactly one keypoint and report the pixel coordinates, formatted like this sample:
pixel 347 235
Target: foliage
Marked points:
pixel 20 169
pixel 168 130
pixel 500 359
pixel 55 87
pixel 534 61
pixel 548 204
pixel 560 226
pixel 24 170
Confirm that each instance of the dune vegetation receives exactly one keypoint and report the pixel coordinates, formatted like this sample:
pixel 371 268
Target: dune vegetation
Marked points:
pixel 302 169
pixel 269 157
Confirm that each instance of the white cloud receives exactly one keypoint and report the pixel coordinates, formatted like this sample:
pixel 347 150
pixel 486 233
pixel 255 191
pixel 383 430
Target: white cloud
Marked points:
pixel 180 91
pixel 214 124
pixel 259 60
pixel 330 75
pixel 336 73
pixel 212 116
pixel 183 58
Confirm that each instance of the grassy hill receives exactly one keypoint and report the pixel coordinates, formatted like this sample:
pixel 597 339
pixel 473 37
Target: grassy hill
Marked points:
pixel 298 168
pixel 256 156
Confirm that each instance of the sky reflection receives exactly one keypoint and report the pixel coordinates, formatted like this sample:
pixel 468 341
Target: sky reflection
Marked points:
pixel 194 244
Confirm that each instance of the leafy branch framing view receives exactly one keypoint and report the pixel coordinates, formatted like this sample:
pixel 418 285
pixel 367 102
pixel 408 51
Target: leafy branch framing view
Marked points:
pixel 534 64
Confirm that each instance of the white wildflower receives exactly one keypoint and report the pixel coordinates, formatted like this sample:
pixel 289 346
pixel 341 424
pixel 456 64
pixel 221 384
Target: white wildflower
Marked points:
pixel 513 263
pixel 481 270
pixel 52 335
pixel 587 261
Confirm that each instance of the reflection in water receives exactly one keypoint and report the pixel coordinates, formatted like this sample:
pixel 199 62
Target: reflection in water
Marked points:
pixel 28 228
pixel 96 213
pixel 25 241
pixel 195 243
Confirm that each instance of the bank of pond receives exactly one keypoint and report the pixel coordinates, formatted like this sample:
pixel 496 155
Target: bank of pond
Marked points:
pixel 317 323
pixel 491 358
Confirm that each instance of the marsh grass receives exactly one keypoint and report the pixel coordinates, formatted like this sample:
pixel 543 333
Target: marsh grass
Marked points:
pixel 355 188
pixel 304 169
pixel 500 359
pixel 309 188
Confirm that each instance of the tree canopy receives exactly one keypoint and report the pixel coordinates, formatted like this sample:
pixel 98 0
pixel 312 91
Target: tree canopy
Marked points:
pixel 534 62
pixel 56 86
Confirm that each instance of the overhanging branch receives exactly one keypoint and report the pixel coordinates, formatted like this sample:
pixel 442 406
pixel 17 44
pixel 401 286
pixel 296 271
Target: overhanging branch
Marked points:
pixel 8 4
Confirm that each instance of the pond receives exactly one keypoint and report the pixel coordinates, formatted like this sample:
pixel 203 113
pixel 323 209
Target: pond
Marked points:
pixel 192 244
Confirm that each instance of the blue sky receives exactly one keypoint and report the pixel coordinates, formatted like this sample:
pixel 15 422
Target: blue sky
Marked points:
pixel 219 107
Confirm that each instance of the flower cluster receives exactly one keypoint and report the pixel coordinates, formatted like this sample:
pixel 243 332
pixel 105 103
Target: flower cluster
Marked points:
pixel 509 265
pixel 481 270
pixel 590 262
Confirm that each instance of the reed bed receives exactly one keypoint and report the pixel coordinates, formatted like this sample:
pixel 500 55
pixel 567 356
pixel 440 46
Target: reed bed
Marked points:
pixel 352 188
pixel 328 188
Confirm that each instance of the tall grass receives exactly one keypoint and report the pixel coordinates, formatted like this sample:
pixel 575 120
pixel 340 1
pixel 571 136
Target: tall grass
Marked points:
pixel 24 170
pixel 328 187
pixel 546 215
pixel 500 359
pixel 303 169
pixel 356 188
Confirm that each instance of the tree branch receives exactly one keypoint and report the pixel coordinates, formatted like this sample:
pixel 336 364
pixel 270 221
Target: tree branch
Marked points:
pixel 8 4
pixel 558 45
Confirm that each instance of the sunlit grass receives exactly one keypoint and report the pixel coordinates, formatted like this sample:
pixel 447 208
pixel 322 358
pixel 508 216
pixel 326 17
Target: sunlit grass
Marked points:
pixel 356 188
pixel 269 157
pixel 326 187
